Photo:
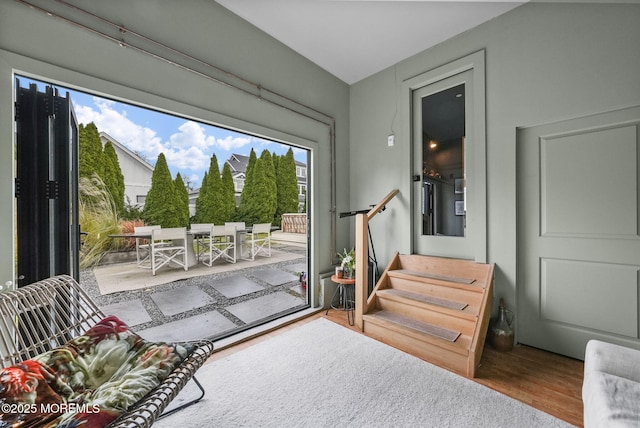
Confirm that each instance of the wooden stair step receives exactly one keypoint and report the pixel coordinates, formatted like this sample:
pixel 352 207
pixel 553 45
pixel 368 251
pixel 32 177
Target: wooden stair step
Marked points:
pixel 419 326
pixel 448 278
pixel 473 286
pixel 451 304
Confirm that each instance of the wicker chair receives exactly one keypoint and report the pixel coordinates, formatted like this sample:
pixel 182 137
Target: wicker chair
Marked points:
pixel 50 312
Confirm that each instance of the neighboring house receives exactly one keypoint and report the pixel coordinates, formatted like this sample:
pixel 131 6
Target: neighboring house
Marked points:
pixel 193 196
pixel 238 165
pixel 136 171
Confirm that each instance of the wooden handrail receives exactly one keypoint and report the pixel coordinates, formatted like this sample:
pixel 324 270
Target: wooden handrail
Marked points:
pixel 362 256
pixel 382 204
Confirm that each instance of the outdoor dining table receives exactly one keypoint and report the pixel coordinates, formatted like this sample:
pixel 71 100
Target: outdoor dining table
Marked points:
pixel 192 259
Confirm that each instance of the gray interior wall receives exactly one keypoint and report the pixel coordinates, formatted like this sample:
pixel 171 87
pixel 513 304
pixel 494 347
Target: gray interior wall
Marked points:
pixel 34 44
pixel 544 62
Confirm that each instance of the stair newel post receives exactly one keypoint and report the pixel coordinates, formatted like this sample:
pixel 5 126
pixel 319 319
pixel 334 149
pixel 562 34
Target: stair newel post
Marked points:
pixel 362 255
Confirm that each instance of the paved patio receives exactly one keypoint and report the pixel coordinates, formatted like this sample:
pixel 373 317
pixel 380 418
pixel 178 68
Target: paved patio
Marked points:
pixel 212 305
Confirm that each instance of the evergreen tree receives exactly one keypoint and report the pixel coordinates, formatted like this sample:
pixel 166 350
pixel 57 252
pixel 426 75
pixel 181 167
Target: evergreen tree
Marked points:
pixel 210 195
pixel 112 176
pixel 276 161
pixel 90 151
pixel 201 200
pixel 246 212
pixel 271 188
pixel 253 158
pixel 218 214
pixel 287 186
pixel 264 197
pixel 228 194
pixel 160 205
pixel 182 201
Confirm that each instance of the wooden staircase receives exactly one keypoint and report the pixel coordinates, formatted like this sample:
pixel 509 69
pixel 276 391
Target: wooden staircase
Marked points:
pixel 435 308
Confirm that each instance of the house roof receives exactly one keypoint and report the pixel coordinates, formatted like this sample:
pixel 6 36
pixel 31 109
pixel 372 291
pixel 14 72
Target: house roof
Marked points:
pixel 133 155
pixel 238 163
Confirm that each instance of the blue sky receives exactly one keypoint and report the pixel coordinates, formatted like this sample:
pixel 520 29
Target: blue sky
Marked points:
pixel 186 144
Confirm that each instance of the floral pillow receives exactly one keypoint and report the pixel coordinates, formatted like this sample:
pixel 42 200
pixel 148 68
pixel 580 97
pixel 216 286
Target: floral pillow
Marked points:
pixel 87 382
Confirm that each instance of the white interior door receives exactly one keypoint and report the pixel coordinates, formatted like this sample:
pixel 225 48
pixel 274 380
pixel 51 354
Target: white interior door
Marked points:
pixel 578 232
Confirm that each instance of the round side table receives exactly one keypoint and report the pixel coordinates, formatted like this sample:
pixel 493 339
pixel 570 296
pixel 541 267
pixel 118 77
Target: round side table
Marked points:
pixel 344 297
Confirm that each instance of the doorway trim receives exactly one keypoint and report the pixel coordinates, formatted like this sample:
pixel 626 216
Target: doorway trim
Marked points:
pixel 474 62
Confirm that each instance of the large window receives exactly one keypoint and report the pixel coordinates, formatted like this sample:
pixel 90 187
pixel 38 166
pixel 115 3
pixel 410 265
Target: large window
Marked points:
pixel 222 299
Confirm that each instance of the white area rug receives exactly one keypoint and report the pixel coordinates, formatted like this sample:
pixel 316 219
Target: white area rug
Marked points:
pixel 128 276
pixel 324 375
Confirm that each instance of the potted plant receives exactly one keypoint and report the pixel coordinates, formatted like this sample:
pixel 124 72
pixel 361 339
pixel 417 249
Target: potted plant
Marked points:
pixel 348 263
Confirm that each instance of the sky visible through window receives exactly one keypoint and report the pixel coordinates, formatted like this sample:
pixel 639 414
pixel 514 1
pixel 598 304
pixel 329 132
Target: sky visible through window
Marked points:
pixel 187 144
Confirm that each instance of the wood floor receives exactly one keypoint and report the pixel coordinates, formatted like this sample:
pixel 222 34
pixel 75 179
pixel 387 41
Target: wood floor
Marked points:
pixel 549 382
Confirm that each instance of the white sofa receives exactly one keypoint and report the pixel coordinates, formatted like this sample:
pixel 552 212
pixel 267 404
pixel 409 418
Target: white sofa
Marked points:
pixel 611 386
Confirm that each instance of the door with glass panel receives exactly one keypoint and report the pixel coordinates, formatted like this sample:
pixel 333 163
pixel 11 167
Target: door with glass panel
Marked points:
pixel 443 132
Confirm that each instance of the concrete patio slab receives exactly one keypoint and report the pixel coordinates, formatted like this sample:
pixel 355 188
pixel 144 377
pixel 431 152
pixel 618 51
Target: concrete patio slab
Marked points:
pixel 181 299
pixel 274 276
pixel 121 277
pixel 299 289
pixel 263 307
pixel 132 312
pixel 193 328
pixel 235 286
pixel 297 267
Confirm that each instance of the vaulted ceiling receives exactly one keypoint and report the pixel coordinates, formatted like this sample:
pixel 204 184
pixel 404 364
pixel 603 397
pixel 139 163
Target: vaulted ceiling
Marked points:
pixel 353 39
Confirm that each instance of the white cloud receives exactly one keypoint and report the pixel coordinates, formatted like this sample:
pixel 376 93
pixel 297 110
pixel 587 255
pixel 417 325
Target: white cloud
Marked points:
pixel 187 149
pixel 231 143
pixel 191 158
pixel 137 138
pixel 191 134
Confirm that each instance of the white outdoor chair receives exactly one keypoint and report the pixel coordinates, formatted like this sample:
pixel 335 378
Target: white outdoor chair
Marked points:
pixel 240 228
pixel 238 225
pixel 214 242
pixel 169 245
pixel 259 240
pixel 222 245
pixel 142 245
pixel 201 236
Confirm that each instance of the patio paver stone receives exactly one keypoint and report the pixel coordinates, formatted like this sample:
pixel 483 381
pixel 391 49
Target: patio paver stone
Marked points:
pixel 193 328
pixel 298 267
pixel 132 312
pixel 173 302
pixel 274 276
pixel 235 286
pixel 263 307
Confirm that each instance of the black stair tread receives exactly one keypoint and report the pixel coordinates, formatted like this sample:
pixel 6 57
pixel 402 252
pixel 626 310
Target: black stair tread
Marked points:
pixel 452 304
pixel 423 327
pixel 449 278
